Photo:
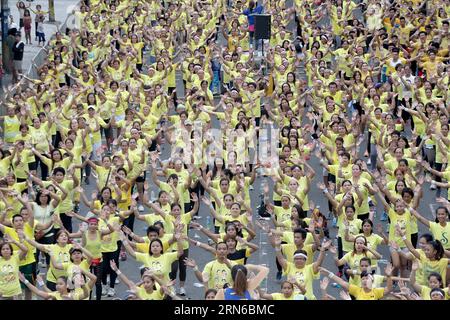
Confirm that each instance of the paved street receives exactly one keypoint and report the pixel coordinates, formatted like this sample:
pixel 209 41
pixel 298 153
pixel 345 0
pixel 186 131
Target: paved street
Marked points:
pixel 266 254
pixel 63 9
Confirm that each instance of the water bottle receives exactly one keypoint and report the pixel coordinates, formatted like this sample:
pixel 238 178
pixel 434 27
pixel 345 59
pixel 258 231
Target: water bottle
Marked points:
pixel 208 222
pixel 263 284
pixel 384 74
pixel 336 285
pixel 152 196
pixel 335 242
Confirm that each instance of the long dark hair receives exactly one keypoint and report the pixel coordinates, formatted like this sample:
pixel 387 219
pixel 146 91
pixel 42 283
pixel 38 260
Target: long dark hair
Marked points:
pixel 38 198
pixel 437 245
pixel 214 170
pixel 150 246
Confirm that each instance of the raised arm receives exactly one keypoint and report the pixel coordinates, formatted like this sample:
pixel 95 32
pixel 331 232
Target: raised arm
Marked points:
pixel 127 245
pixel 262 273
pixel 33 289
pixel 419 217
pixel 130 284
pixel 192 264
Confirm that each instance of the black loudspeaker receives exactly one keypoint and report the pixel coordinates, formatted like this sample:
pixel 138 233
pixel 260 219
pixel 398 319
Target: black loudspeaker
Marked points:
pixel 262 26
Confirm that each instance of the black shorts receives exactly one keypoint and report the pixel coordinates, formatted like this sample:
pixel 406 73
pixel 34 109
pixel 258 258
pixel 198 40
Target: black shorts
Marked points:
pixel 153 146
pixel 29 271
pixel 32 165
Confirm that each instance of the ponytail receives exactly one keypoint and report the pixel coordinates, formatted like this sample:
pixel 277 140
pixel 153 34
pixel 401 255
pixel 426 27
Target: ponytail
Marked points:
pixel 239 276
pixel 240 283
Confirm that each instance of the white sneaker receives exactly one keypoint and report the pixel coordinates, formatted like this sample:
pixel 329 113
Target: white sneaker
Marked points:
pixel 116 282
pixel 111 292
pixel 182 291
pixel 104 290
pixel 141 208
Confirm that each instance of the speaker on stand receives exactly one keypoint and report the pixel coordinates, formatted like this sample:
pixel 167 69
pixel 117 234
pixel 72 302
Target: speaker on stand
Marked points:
pixel 262 28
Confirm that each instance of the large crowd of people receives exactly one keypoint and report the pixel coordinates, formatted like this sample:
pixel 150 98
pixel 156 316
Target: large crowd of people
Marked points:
pixel 347 97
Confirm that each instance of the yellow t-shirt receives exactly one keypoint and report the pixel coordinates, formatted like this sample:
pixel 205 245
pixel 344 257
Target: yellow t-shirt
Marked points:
pixel 161 266
pixel 61 255
pixel 289 249
pixel 441 233
pixel 353 259
pixel 154 295
pixel 9 276
pixel 404 220
pixel 361 294
pixel 304 276
pixel 281 296
pixel 29 258
pixel 109 241
pixel 219 274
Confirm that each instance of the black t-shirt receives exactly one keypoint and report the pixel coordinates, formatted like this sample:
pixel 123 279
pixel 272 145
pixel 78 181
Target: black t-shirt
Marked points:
pixel 18 50
pixel 237 255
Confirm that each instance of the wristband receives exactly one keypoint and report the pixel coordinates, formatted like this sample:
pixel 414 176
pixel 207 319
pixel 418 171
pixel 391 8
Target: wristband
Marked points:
pixel 403 238
pixel 197 243
pixel 277 249
pixel 201 227
pixel 26 281
pixel 195 268
pixel 118 272
pixel 40 283
pixel 354 272
pixel 330 274
pixel 325 190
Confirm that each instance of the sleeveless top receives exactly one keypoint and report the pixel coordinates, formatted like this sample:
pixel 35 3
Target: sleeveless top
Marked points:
pixel 94 246
pixel 230 294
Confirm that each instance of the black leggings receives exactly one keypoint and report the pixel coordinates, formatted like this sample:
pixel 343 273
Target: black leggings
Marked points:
pixel 44 168
pixel 180 263
pixel 45 240
pixel 340 253
pixel 129 222
pixel 97 270
pixel 67 221
pixel 438 167
pixel 279 269
pixel 106 267
pixel 414 239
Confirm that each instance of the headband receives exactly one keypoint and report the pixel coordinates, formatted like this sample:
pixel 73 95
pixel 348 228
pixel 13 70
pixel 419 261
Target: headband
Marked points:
pixel 438 292
pixel 302 255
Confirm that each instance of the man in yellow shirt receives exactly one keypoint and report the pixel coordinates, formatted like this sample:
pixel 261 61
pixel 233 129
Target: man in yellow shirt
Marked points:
pixel 365 292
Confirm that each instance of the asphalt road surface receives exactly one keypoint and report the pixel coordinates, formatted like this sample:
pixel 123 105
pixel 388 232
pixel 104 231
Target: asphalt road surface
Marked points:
pixel 266 254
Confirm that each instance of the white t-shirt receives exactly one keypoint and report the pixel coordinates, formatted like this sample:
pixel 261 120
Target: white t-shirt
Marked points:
pixel 43 215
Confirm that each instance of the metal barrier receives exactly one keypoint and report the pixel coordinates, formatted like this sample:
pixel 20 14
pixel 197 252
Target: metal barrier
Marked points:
pixel 41 56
